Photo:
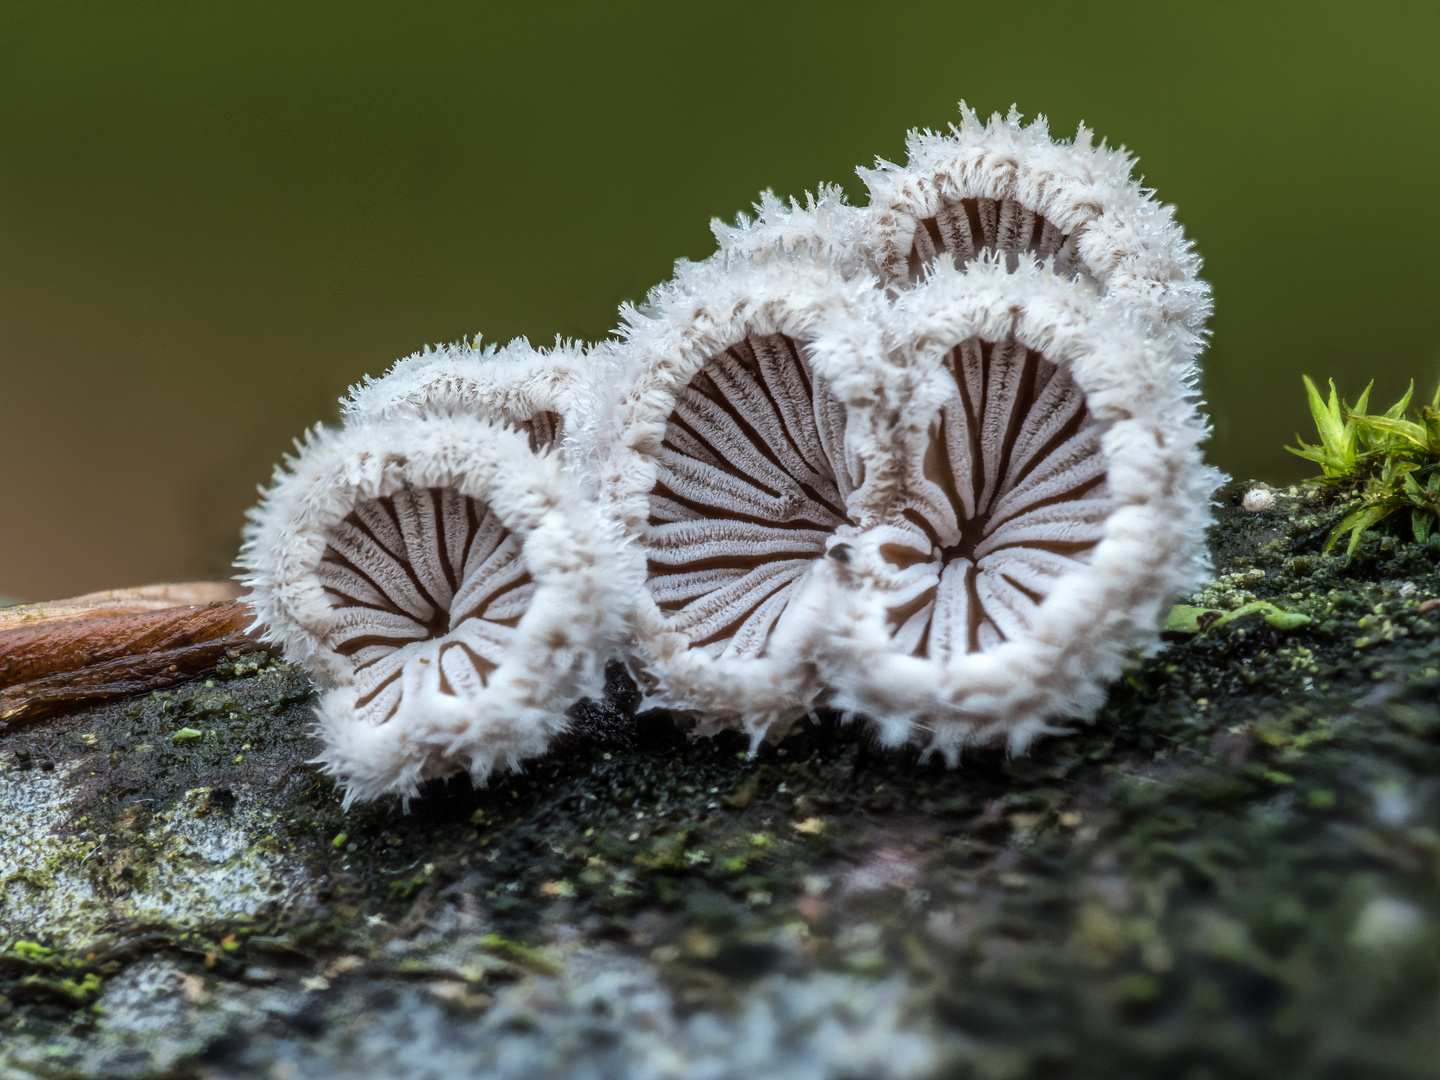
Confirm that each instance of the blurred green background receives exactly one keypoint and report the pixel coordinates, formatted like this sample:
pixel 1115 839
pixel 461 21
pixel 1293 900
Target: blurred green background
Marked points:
pixel 214 217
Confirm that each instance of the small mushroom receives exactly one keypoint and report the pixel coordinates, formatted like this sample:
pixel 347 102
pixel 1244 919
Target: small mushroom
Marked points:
pixel 534 389
pixel 449 589
pixel 1001 188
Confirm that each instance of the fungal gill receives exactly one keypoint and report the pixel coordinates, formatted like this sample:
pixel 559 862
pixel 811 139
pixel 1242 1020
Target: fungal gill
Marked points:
pixel 424 575
pixel 751 483
pixel 1008 497
pixel 544 429
pixel 968 228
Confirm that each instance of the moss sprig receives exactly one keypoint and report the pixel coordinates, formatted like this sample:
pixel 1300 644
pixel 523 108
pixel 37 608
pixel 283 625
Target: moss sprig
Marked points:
pixel 1386 463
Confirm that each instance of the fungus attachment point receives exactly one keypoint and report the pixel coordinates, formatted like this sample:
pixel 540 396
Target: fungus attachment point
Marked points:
pixel 750 484
pixel 447 587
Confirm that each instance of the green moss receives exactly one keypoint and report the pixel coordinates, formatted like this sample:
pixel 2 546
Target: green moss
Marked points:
pixel 1386 466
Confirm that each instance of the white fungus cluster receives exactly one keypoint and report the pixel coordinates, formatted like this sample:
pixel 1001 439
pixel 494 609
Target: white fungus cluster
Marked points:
pixel 933 462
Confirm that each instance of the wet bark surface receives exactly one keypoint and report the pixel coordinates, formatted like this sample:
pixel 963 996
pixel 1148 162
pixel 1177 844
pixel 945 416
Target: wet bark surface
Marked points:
pixel 1234 871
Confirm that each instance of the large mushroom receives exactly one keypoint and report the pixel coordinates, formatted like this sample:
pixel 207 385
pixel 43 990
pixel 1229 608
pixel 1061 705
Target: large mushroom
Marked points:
pixel 736 459
pixel 1050 505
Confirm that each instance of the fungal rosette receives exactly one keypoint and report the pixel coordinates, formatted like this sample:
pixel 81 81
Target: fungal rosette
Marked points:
pixel 1005 189
pixel 738 457
pixel 448 587
pixel 1050 505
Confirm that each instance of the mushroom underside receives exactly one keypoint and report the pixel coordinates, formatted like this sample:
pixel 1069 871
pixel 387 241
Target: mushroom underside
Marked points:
pixel 969 227
pixel 1005 500
pixel 427 589
pixel 751 481
pixel 1008 499
pixel 544 430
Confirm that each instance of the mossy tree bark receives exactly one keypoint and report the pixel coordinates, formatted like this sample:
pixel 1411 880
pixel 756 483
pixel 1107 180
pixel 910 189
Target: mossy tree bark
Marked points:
pixel 1235 871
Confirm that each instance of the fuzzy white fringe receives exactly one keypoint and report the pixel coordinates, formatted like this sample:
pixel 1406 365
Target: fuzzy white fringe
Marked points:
pixel 1127 240
pixel 708 307
pixel 516 385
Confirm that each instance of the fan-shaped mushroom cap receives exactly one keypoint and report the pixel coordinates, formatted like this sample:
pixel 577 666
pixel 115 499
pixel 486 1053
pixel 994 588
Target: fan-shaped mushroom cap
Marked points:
pixel 825 229
pixel 1000 187
pixel 1051 504
pixel 449 588
pixel 548 393
pixel 736 461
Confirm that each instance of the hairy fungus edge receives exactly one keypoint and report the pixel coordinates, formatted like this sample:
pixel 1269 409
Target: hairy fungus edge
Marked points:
pixel 549 393
pixel 1126 239
pixel 1152 545
pixel 573 624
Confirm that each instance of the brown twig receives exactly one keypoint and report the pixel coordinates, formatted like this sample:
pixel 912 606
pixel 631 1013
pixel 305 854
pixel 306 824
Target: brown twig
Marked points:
pixel 113 644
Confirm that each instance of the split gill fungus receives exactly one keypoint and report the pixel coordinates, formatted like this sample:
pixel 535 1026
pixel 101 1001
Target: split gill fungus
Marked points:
pixel 933 461
pixel 1048 505
pixel 751 483
pixel 998 188
pixel 738 455
pixel 1008 497
pixel 445 584
pixel 516 385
